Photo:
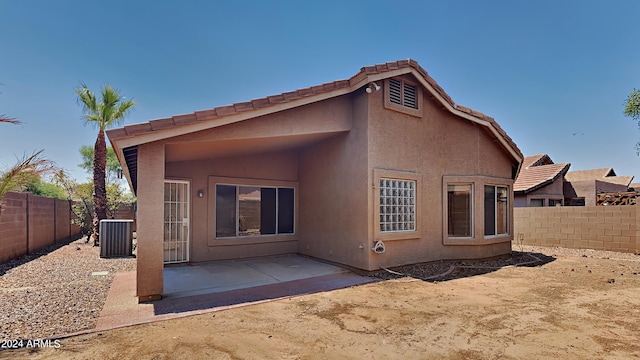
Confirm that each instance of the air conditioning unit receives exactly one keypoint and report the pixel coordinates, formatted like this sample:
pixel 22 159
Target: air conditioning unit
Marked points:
pixel 116 238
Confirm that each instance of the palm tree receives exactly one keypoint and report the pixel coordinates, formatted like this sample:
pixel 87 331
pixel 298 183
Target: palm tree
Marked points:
pixel 109 111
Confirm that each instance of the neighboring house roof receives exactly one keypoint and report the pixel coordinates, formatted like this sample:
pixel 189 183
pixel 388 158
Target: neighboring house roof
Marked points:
pixel 591 174
pixel 538 171
pixel 621 180
pixel 604 174
pixel 125 139
pixel 536 160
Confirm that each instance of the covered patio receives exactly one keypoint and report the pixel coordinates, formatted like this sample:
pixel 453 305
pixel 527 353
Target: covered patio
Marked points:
pixel 220 276
pixel 192 289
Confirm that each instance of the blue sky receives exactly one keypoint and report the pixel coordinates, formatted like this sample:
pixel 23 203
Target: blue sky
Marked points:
pixel 554 74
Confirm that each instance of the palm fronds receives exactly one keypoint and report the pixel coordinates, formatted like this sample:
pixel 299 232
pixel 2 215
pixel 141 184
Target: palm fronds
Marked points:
pixel 108 111
pixel 5 119
pixel 24 170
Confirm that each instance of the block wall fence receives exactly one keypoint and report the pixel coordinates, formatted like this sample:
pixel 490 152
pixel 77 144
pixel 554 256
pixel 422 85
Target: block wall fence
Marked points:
pixel 29 223
pixel 615 228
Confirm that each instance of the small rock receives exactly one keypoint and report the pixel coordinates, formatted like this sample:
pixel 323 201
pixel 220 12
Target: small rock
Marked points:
pixel 611 281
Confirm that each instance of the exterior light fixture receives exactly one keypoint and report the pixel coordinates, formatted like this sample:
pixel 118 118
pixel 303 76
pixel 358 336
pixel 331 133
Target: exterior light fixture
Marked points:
pixel 372 86
pixel 200 193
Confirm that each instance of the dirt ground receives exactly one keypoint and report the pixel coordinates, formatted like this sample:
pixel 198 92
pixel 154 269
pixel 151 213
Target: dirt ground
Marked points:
pixel 574 307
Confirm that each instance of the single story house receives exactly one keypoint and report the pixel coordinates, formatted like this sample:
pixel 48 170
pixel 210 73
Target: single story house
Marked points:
pixel 379 170
pixel 540 182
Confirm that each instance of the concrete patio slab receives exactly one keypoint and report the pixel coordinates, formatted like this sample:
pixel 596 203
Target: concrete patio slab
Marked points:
pixel 220 276
pixel 198 289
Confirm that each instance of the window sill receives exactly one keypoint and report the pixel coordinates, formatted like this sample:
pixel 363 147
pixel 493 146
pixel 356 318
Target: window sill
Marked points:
pixel 408 235
pixel 247 240
pixel 496 239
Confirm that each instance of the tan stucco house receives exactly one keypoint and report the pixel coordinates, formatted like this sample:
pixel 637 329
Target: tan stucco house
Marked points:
pixel 581 187
pixel 540 182
pixel 379 170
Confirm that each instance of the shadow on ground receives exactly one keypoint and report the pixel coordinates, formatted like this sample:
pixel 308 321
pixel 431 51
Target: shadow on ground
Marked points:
pixel 433 272
pixel 260 293
pixel 449 270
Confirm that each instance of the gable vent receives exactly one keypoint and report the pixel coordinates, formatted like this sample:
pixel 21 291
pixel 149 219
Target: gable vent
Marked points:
pixel 395 91
pixel 410 99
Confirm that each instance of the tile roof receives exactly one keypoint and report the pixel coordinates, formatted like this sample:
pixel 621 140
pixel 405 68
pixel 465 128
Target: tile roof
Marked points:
pixel 129 136
pixel 534 177
pixel 604 174
pixel 621 180
pixel 269 101
pixel 536 160
pixel 591 174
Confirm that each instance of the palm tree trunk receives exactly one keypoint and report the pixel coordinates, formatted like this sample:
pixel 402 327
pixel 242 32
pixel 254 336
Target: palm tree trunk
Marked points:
pixel 99 186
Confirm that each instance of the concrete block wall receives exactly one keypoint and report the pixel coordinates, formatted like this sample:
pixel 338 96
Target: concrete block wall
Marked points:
pixel 13 229
pixel 126 212
pixel 42 224
pixel 29 223
pixel 614 228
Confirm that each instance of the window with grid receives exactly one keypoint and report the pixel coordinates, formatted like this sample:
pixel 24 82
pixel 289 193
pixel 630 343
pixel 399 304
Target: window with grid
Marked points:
pixel 402 93
pixel 397 205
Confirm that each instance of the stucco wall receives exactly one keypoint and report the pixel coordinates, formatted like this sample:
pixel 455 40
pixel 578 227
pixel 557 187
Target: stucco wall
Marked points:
pixel 257 168
pixel 150 253
pixel 331 150
pixel 588 189
pixel 435 145
pixel 580 227
pixel 257 151
pixel 334 221
pixel 552 191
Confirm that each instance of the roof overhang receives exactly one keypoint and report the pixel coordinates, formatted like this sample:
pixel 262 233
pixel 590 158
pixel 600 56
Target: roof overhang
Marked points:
pixel 129 137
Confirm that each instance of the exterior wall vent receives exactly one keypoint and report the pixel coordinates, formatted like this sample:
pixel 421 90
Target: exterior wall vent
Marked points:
pixel 395 91
pixel 116 238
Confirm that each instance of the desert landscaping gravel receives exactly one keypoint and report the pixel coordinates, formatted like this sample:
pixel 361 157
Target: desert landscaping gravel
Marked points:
pixel 54 292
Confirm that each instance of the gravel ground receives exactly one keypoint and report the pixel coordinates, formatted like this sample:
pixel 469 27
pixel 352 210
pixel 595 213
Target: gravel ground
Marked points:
pixel 53 292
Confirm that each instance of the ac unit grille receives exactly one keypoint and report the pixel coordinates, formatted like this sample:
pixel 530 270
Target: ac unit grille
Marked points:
pixel 116 238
